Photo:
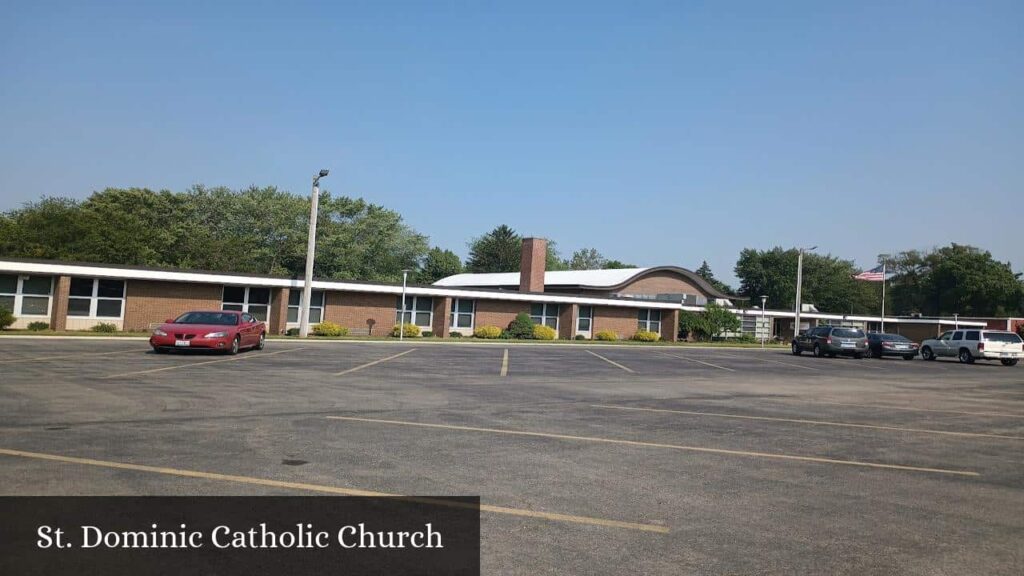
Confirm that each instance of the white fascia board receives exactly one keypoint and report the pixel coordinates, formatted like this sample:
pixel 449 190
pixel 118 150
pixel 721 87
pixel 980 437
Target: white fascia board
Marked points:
pixel 132 274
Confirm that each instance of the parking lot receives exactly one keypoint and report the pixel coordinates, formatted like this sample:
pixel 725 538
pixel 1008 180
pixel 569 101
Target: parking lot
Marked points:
pixel 588 459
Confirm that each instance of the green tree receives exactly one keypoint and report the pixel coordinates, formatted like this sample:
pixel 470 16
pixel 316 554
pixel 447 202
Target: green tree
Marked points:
pixel 495 251
pixel 712 322
pixel 587 259
pixel 828 281
pixel 955 279
pixel 439 264
pixel 705 272
pixel 616 265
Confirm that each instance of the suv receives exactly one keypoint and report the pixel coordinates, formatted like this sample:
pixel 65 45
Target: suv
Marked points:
pixel 831 341
pixel 970 345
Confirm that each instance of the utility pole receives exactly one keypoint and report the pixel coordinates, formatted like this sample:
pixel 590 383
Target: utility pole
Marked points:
pixel 307 288
pixel 401 323
pixel 799 286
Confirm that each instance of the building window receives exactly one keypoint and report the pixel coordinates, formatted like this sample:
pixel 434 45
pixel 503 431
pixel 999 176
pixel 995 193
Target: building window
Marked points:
pixel 585 319
pixel 255 301
pixel 462 313
pixel 316 306
pixel 26 295
pixel 649 320
pixel 96 298
pixel 419 310
pixel 546 314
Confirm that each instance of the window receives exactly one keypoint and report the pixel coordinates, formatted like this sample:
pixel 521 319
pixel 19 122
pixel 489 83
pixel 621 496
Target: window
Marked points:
pixel 419 310
pixel 546 314
pixel 462 313
pixel 1008 337
pixel 26 295
pixel 847 333
pixel 958 335
pixel 8 290
pixel 649 320
pixel 96 298
pixel 316 306
pixel 972 334
pixel 255 301
pixel 585 319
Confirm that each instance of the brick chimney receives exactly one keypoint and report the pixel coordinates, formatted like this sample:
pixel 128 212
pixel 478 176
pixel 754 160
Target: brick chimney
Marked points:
pixel 531 266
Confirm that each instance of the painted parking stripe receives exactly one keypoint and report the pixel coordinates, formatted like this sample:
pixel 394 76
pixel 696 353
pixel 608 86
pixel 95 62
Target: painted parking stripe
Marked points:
pixel 374 363
pixel 612 362
pixel 504 363
pixel 774 362
pixel 813 422
pixel 191 364
pixel 723 451
pixel 552 516
pixel 68 356
pixel 698 361
pixel 909 409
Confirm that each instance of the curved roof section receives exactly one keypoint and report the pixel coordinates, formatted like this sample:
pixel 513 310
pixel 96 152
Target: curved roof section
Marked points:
pixel 583 279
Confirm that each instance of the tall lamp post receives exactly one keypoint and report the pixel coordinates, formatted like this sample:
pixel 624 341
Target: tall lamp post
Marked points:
pixel 763 300
pixel 401 323
pixel 885 259
pixel 799 286
pixel 307 288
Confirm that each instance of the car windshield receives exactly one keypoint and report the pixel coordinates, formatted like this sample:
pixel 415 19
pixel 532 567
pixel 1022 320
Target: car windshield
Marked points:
pixel 847 333
pixel 1002 337
pixel 219 318
pixel 895 338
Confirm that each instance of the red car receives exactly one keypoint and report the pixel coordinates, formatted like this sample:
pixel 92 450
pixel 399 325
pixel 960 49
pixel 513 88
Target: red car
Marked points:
pixel 225 330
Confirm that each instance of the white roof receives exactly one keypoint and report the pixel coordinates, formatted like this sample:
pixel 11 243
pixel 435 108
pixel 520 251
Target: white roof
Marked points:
pixel 612 277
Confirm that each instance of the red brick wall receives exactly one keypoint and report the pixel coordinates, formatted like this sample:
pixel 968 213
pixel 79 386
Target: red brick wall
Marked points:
pixel 567 315
pixel 662 282
pixel 622 321
pixel 533 262
pixel 498 313
pixel 59 307
pixel 357 310
pixel 278 310
pixel 670 325
pixel 149 301
pixel 442 311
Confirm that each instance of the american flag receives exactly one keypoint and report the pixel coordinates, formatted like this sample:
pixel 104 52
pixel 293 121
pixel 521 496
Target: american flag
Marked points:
pixel 876 274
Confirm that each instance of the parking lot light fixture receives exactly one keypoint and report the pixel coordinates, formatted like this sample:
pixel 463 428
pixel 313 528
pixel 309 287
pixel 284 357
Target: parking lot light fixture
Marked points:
pixel 307 288
pixel 799 286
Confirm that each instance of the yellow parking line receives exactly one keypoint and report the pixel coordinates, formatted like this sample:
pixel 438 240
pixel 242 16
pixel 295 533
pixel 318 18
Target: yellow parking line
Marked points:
pixel 328 490
pixel 698 361
pixel 612 362
pixel 375 362
pixel 815 422
pixel 659 445
pixel 66 356
pixel 232 359
pixel 504 363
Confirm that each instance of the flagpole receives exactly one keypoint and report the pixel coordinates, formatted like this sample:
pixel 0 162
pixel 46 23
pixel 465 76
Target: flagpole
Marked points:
pixel 883 295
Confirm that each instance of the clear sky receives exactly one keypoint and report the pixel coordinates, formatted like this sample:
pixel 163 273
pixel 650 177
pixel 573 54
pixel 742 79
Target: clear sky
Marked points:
pixel 657 132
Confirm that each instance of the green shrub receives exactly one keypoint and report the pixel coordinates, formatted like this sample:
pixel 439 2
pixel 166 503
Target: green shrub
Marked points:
pixel 580 337
pixel 706 325
pixel 745 338
pixel 105 327
pixel 38 326
pixel 330 329
pixel 521 327
pixel 606 335
pixel 292 332
pixel 408 330
pixel 505 335
pixel 541 332
pixel 455 334
pixel 488 332
pixel 646 336
pixel 6 318
pixel 428 334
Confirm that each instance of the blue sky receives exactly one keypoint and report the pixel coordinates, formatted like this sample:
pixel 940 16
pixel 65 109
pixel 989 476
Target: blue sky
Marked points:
pixel 657 132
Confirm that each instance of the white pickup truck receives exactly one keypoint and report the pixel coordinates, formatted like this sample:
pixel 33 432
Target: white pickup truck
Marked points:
pixel 971 345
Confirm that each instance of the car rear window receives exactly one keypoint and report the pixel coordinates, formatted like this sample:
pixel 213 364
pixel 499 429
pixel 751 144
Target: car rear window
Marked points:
pixel 895 338
pixel 1007 337
pixel 847 333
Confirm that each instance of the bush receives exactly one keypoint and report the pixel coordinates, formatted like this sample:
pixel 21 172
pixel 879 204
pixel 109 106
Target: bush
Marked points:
pixel 744 339
pixel 38 326
pixel 1020 329
pixel 408 330
pixel 104 327
pixel 455 334
pixel 488 332
pixel 541 332
pixel 606 335
pixel 292 332
pixel 505 335
pixel 329 329
pixel 580 337
pixel 428 334
pixel 713 321
pixel 646 336
pixel 6 318
pixel 521 327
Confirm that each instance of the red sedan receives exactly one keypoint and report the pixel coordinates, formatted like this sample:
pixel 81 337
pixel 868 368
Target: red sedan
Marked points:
pixel 225 330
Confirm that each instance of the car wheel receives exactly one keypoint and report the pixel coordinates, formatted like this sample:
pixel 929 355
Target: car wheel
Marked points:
pixel 908 356
pixel 927 353
pixel 1009 361
pixel 262 342
pixel 796 349
pixel 965 356
pixel 817 351
pixel 235 345
pixel 158 350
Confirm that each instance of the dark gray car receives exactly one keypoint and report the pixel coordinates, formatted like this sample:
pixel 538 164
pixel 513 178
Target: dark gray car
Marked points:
pixel 831 341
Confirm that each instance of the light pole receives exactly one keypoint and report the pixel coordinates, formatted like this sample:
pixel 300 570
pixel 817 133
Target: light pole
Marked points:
pixel 884 258
pixel 307 288
pixel 401 323
pixel 956 321
pixel 799 286
pixel 763 300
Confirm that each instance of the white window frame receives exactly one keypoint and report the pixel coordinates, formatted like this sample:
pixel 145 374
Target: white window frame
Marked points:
pixel 646 323
pixel 546 313
pixel 589 318
pixel 245 304
pixel 312 307
pixel 94 298
pixel 412 312
pixel 452 324
pixel 19 296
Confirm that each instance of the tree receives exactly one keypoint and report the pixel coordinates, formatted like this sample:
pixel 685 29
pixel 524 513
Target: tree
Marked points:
pixel 496 251
pixel 828 281
pixel 616 265
pixel 705 272
pixel 712 322
pixel 957 279
pixel 587 259
pixel 439 264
